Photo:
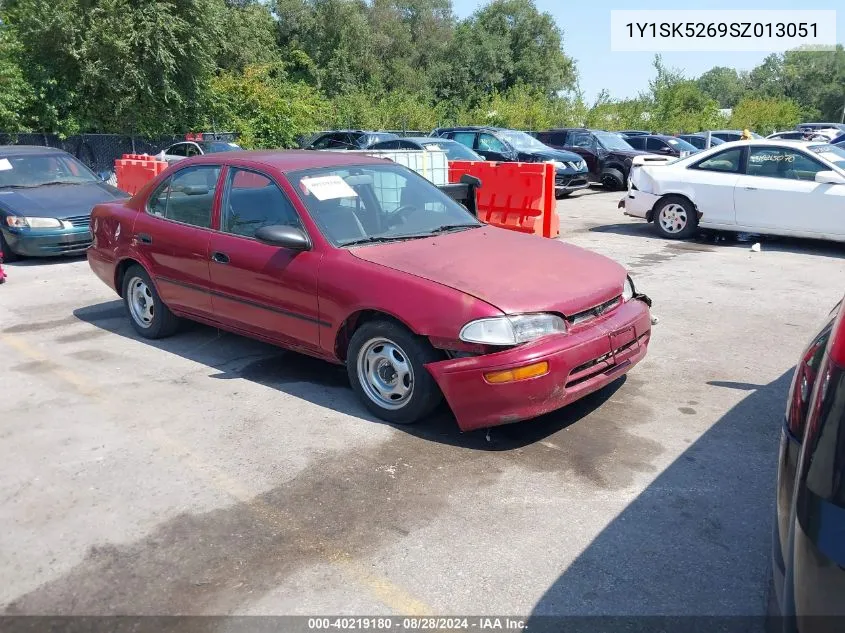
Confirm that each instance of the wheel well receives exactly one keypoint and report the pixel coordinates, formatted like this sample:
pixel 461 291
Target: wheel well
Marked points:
pixel 356 320
pixel 615 166
pixel 650 214
pixel 119 273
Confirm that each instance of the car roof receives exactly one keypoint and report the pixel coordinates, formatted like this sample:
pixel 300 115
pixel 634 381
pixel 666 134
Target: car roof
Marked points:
pixel 794 142
pixel 31 150
pixel 287 160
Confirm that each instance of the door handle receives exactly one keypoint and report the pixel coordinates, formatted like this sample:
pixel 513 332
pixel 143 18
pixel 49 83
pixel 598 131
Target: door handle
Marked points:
pixel 751 188
pixel 144 238
pixel 220 258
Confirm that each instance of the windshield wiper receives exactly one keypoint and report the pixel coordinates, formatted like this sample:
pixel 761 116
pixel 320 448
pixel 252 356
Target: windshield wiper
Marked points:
pixel 444 228
pixel 410 236
pixel 377 238
pixel 61 182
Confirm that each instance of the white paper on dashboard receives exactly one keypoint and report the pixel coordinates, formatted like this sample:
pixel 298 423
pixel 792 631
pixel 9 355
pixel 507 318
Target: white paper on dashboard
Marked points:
pixel 329 187
pixel 5 165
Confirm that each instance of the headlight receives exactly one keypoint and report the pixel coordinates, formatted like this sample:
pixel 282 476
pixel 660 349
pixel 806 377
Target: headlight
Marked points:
pixel 582 165
pixel 512 330
pixel 558 164
pixel 20 222
pixel 628 290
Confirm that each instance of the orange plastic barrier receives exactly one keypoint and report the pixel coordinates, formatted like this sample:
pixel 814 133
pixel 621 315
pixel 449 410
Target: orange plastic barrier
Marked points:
pixel 515 196
pixel 133 171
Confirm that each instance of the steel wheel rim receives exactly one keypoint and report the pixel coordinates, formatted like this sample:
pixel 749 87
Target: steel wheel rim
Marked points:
pixel 141 302
pixel 673 218
pixel 385 373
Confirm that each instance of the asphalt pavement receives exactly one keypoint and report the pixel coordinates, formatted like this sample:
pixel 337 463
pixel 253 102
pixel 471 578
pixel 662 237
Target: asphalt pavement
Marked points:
pixel 211 474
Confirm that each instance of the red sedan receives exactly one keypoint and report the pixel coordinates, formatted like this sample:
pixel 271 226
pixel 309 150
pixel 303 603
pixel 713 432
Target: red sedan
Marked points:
pixel 360 261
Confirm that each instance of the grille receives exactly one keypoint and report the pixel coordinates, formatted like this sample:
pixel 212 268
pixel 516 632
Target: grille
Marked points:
pixel 78 220
pixel 595 311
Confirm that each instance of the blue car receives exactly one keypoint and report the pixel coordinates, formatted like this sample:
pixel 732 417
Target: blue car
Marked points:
pixel 46 197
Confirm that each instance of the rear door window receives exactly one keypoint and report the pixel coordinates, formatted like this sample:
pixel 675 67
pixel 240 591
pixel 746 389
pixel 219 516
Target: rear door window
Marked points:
pixel 637 142
pixel 728 161
pixel 464 138
pixel 581 139
pixel 187 196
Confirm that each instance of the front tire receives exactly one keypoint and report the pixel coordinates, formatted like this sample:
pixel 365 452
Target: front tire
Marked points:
pixel 560 195
pixel 386 367
pixel 8 254
pixel 675 218
pixel 613 180
pixel 147 312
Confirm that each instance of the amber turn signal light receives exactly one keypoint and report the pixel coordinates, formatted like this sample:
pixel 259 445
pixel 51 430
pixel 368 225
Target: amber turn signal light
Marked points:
pixel 520 373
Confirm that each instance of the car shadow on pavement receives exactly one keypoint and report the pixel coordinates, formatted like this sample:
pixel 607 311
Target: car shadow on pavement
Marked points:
pixel 695 542
pixel 234 357
pixel 723 239
pixel 28 262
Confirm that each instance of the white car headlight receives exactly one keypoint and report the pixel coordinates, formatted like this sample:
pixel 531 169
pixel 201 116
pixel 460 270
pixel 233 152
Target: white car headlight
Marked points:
pixel 558 164
pixel 628 290
pixel 21 222
pixel 512 330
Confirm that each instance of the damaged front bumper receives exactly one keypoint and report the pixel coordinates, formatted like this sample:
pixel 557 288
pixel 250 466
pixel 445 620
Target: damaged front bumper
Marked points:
pixel 638 204
pixel 580 362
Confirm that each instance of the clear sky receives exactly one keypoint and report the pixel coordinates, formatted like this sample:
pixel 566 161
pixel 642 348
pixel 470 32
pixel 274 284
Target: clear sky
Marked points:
pixel 586 37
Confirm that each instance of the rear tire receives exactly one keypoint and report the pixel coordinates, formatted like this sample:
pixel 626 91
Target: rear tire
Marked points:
pixel 8 254
pixel 147 312
pixel 675 218
pixel 386 367
pixel 613 179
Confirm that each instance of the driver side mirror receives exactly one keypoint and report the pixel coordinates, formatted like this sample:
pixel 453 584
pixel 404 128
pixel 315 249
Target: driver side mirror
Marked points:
pixel 473 181
pixel 829 178
pixel 664 150
pixel 284 237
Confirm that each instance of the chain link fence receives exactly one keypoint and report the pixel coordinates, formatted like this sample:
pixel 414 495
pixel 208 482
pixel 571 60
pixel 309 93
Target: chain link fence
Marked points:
pixel 98 151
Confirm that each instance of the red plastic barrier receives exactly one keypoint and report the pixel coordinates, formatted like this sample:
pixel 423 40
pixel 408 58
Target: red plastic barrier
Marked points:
pixel 133 171
pixel 515 196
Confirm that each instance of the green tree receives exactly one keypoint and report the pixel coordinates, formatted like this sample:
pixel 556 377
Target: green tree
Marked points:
pixel 723 84
pixel 247 35
pixel 15 93
pixel 265 106
pixel 505 43
pixel 765 115
pixel 116 65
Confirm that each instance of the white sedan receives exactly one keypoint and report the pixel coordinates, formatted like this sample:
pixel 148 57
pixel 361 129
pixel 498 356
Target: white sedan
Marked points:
pixel 775 187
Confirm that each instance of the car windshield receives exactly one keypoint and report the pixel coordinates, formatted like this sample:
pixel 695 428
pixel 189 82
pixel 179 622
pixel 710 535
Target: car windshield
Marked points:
pixel 211 147
pixel 609 140
pixel 453 149
pixel 521 140
pixel 681 145
pixel 831 153
pixel 38 170
pixel 377 203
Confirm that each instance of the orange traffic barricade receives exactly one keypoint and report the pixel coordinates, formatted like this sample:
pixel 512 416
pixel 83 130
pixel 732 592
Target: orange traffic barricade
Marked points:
pixel 515 196
pixel 133 171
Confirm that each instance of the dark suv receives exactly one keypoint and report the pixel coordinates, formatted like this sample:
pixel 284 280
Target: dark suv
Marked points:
pixel 503 145
pixel 608 155
pixel 347 139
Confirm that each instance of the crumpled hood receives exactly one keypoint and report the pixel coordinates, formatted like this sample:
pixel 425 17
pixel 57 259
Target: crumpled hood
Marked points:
pixel 58 201
pixel 512 271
